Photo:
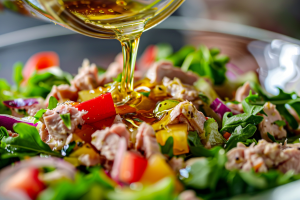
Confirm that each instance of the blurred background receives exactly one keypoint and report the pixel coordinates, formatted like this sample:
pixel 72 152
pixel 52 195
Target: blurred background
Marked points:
pixel 197 21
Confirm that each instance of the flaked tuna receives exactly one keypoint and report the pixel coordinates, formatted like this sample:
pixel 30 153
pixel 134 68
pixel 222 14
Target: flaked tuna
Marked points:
pixel 162 69
pixel 146 140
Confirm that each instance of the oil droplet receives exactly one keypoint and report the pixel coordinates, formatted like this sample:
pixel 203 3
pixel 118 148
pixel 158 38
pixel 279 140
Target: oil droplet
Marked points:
pixel 92 8
pixel 110 10
pixel 121 3
pixel 87 21
pixel 101 11
pixel 103 5
pixel 99 22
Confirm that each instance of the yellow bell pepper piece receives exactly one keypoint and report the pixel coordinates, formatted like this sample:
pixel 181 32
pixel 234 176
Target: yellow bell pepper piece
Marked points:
pixel 85 95
pixel 156 170
pixel 85 149
pixel 179 133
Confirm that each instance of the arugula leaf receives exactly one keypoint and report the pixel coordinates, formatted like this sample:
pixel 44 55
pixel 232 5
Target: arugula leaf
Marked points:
pixel 287 115
pixel 196 147
pixel 118 78
pixel 272 138
pixel 179 57
pixel 280 123
pixel 3 132
pixel 207 63
pixel 250 141
pixel 17 74
pixel 204 98
pixel 66 119
pixel 281 100
pixel 52 103
pixel 164 50
pixel 249 116
pixel 212 134
pixel 100 70
pixel 240 135
pixel 28 139
pixel 168 147
pixel 40 84
pixel 38 115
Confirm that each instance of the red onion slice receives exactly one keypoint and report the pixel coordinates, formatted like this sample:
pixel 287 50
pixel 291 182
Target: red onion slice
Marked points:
pixel 19 103
pixel 219 107
pixel 8 121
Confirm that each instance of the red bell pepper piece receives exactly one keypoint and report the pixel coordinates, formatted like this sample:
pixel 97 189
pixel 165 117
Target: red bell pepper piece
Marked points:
pixel 27 181
pixel 132 168
pixel 102 124
pixel 98 108
pixel 40 61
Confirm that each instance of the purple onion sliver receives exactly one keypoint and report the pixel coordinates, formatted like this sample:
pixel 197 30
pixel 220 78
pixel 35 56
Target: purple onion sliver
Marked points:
pixel 8 121
pixel 19 103
pixel 219 107
pixel 232 67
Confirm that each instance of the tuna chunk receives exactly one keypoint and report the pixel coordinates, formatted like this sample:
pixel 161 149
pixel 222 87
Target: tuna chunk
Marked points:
pixel 185 112
pixel 146 140
pixel 178 90
pixel 264 156
pixel 188 195
pixel 268 125
pixel 162 69
pixel 87 77
pixel 176 164
pixel 54 131
pixel 107 140
pixel 242 92
pixel 63 93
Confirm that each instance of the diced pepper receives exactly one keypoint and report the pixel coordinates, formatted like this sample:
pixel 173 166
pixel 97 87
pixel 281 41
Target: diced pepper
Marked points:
pixel 226 135
pixel 86 95
pixel 40 61
pixel 80 150
pixel 85 132
pixel 26 180
pixel 102 124
pixel 132 168
pixel 179 133
pixel 156 170
pixel 98 108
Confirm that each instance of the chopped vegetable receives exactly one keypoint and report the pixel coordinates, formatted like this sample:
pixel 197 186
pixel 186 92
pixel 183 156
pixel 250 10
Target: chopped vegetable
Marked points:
pixel 219 107
pixel 179 133
pixel 19 103
pixel 98 108
pixel 52 103
pixel 40 61
pixel 66 119
pixel 8 121
pixel 27 181
pixel 132 167
pixel 212 134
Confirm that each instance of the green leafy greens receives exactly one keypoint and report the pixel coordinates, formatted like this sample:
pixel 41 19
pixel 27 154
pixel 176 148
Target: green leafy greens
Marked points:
pixel 66 119
pixel 28 139
pixel 52 103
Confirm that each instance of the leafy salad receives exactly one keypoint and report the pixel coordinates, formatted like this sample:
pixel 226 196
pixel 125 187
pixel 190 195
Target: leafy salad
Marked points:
pixel 201 128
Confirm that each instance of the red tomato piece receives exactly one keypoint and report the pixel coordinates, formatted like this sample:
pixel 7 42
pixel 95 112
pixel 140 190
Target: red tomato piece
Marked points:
pixel 98 108
pixel 132 168
pixel 27 181
pixel 40 61
pixel 102 124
